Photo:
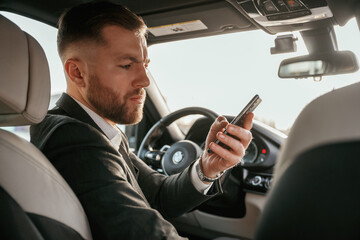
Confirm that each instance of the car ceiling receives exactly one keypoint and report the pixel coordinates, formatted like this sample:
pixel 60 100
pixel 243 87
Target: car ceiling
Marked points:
pixel 219 16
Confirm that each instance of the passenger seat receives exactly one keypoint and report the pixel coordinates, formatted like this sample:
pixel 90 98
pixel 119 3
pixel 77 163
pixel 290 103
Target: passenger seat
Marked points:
pixel 316 190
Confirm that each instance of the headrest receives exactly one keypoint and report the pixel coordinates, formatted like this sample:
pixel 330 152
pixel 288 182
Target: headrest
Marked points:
pixel 331 118
pixel 24 79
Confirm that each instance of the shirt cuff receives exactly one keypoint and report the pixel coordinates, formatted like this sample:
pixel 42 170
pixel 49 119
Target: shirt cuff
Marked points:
pixel 198 184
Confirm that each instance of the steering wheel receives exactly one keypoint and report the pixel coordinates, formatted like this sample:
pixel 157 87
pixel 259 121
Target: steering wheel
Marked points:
pixel 175 158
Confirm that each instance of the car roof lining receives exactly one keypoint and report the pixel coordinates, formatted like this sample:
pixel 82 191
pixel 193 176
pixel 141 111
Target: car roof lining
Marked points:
pixel 48 11
pixel 164 12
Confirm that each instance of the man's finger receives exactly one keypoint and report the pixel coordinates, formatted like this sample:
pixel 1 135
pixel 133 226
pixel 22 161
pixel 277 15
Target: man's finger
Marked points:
pixel 248 121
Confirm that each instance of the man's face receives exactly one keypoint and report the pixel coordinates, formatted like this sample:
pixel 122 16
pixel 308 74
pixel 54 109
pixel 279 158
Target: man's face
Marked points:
pixel 117 76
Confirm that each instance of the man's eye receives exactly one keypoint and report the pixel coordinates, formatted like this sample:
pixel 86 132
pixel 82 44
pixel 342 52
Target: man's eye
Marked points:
pixel 127 66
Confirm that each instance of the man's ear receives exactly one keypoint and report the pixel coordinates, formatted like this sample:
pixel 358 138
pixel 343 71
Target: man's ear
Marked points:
pixel 75 71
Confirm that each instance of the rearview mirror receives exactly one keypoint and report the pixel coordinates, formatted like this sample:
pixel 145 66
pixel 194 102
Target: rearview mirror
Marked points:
pixel 319 64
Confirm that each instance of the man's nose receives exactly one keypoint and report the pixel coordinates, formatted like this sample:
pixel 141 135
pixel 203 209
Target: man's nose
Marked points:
pixel 142 80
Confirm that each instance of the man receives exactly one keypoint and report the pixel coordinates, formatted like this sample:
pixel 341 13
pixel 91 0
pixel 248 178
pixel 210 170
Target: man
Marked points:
pixel 103 50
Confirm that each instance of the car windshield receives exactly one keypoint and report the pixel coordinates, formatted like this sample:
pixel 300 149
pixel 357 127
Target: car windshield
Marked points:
pixel 224 72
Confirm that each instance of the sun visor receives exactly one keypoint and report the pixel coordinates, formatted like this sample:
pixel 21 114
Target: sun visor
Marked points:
pixel 196 21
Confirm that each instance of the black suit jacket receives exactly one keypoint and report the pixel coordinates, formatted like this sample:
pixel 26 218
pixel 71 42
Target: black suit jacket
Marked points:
pixel 122 197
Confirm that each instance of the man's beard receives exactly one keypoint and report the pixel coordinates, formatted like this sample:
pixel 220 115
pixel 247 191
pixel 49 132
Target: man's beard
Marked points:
pixel 109 105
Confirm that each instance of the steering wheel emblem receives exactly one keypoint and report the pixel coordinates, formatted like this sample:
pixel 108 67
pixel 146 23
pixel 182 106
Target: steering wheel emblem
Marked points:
pixel 178 157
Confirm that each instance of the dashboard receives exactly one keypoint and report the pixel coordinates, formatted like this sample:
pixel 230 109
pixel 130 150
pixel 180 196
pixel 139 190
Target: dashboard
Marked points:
pixel 252 175
pixel 260 157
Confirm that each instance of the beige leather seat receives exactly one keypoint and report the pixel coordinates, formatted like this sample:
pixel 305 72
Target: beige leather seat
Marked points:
pixel 316 190
pixel 35 201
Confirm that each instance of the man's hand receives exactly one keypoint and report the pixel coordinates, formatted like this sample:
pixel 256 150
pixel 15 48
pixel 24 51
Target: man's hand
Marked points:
pixel 221 158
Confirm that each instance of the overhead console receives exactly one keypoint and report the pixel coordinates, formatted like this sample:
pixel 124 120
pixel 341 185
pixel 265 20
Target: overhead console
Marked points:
pixel 273 15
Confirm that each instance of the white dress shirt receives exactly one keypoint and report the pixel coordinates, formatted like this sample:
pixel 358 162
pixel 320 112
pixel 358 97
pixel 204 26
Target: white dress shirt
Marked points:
pixel 114 135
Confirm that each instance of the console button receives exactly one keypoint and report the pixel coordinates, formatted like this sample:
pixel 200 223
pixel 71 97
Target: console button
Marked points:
pixel 293 5
pixel 268 183
pixel 261 158
pixel 270 7
pixel 282 6
pixel 256 181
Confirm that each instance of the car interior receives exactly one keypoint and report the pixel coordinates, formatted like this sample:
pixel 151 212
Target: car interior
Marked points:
pixel 301 184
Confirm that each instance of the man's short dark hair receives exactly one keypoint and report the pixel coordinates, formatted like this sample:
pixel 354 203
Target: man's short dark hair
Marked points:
pixel 86 21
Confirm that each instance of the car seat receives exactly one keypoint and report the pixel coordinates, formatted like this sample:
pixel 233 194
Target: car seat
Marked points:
pixel 316 190
pixel 35 201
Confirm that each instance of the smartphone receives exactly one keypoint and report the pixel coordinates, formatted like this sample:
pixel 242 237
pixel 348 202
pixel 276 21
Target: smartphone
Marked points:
pixel 239 119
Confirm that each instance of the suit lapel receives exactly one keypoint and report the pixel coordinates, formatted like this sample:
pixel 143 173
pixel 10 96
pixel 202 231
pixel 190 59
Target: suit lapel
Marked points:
pixel 73 109
pixel 124 151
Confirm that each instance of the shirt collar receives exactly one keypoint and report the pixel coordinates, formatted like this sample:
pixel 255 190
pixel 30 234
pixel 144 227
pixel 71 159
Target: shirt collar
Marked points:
pixel 112 132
